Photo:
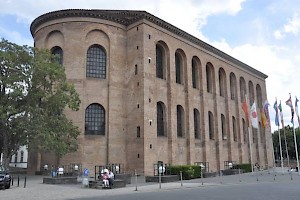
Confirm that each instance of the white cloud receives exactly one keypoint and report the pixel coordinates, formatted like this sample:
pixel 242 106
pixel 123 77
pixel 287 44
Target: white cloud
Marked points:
pixel 293 27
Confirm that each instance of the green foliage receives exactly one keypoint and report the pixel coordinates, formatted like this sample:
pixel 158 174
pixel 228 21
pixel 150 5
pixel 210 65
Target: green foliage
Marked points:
pixel 246 167
pixel 34 94
pixel 188 171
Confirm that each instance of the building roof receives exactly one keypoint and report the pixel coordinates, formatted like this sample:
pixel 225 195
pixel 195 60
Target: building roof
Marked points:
pixel 127 17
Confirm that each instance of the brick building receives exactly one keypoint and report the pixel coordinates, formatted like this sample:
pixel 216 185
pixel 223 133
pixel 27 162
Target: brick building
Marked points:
pixel 151 92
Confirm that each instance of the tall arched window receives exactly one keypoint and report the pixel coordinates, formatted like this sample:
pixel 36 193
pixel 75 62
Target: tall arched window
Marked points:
pixel 96 62
pixel 258 96
pixel 211 126
pixel 242 88
pixel 223 126
pixel 195 73
pixel 180 121
pixel 160 62
pixel 196 124
pixel 251 93
pixel 161 119
pixel 22 157
pixel 95 120
pixel 59 53
pixel 235 138
pixel 222 82
pixel 178 68
pixel 232 86
pixel 209 78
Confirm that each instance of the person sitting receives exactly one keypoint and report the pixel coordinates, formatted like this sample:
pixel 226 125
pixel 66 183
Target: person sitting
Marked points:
pixel 105 179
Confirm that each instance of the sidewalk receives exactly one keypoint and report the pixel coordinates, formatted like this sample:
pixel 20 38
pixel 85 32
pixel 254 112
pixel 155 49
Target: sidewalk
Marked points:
pixel 36 190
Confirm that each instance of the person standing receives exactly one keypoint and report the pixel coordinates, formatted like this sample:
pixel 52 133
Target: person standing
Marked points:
pixel 111 178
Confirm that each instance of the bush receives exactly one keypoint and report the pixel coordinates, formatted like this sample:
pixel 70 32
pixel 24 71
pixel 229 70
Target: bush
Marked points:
pixel 246 167
pixel 188 171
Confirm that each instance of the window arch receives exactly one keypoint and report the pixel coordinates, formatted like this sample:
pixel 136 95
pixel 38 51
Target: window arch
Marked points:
pixel 209 78
pixel 232 86
pixel 179 68
pixel 57 51
pixel 195 74
pixel 196 124
pixel 96 62
pixel 259 96
pixel 161 119
pixel 222 82
pixel 235 138
pixel 95 120
pixel 160 62
pixel 223 126
pixel 211 126
pixel 251 93
pixel 22 157
pixel 180 121
pixel 242 88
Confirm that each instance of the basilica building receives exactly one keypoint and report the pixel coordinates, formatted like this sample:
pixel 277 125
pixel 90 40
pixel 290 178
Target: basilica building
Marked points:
pixel 151 93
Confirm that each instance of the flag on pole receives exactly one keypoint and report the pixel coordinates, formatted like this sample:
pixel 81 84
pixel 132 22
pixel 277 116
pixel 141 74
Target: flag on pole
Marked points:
pixel 253 116
pixel 290 104
pixel 296 109
pixel 263 118
pixel 281 114
pixel 245 109
pixel 276 113
pixel 266 111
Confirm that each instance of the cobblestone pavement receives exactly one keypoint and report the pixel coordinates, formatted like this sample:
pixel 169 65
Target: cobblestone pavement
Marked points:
pixel 36 190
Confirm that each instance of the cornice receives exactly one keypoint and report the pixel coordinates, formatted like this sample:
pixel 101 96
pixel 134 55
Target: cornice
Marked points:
pixel 127 17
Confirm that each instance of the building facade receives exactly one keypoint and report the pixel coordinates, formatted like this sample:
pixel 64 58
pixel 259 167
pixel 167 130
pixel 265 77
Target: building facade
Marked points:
pixel 151 93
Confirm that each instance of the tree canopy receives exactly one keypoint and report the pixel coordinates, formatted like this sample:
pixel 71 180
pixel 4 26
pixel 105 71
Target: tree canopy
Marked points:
pixel 34 93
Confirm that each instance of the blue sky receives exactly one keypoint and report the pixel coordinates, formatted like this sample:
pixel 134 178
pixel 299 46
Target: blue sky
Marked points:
pixel 261 33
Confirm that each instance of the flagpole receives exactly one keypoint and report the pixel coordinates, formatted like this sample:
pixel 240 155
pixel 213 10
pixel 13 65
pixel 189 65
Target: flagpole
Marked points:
pixel 296 148
pixel 286 147
pixel 281 158
pixel 250 138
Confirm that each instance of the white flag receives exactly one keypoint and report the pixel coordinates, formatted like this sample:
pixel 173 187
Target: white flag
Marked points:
pixel 253 116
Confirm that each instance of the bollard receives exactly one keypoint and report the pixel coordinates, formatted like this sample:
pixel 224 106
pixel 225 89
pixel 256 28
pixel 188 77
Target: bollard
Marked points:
pixel 291 175
pixel 240 175
pixel 12 180
pixel 25 182
pixel 159 179
pixel 18 181
pixel 221 176
pixel 201 177
pixel 135 173
pixel 181 178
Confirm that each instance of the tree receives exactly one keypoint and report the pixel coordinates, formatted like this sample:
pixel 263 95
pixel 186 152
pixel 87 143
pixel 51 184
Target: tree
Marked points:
pixel 34 93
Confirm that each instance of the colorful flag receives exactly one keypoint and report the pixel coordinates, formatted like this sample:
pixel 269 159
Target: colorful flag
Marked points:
pixel 263 118
pixel 266 111
pixel 281 114
pixel 276 114
pixel 245 109
pixel 290 104
pixel 253 116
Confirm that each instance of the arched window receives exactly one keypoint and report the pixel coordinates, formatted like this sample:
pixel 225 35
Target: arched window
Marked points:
pixel 180 121
pixel 197 124
pixel 251 93
pixel 161 119
pixel 223 124
pixel 209 78
pixel 235 138
pixel 245 132
pixel 160 62
pixel 96 62
pixel 242 88
pixel 232 86
pixel 57 51
pixel 178 68
pixel 211 126
pixel 258 96
pixel 222 82
pixel 95 120
pixel 195 74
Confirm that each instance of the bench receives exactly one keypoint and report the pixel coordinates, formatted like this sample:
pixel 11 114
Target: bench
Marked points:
pixel 97 184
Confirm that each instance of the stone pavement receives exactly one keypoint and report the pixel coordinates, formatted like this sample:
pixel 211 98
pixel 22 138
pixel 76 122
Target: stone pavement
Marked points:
pixel 36 190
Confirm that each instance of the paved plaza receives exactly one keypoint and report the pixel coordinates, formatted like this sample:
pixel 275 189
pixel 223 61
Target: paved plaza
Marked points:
pixel 36 190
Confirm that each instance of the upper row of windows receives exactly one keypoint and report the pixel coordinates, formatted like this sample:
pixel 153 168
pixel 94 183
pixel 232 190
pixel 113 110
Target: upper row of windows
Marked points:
pixel 96 68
